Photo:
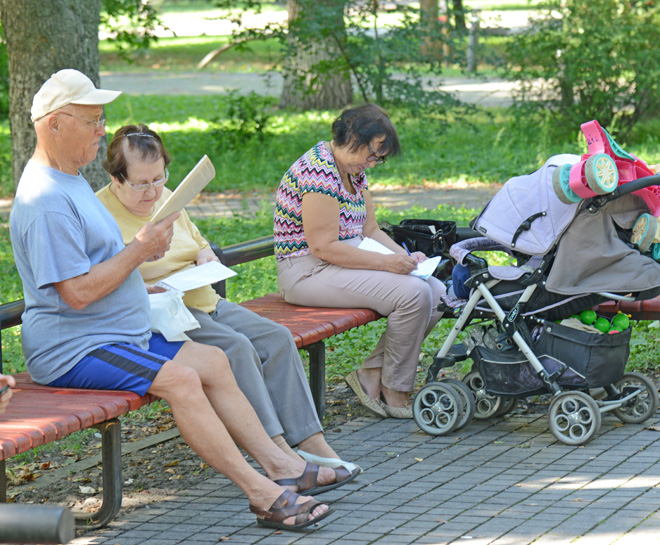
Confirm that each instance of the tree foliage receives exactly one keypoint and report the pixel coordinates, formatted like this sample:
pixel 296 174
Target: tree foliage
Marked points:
pixel 386 62
pixel 131 24
pixel 589 60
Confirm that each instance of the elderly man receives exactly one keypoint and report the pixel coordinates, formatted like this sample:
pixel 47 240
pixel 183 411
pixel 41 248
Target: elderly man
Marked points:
pixel 86 320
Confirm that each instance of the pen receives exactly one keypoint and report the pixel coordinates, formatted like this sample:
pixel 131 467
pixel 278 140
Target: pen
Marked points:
pixel 405 248
pixel 4 389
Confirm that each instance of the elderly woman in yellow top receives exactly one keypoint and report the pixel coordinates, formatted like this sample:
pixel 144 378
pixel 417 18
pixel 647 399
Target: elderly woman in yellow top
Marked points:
pixel 262 354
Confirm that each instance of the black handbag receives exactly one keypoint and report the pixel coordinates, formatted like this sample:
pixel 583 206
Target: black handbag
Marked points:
pixel 432 237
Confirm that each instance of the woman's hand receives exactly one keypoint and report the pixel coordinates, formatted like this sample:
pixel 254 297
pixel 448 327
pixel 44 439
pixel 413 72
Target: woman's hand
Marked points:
pixel 154 289
pixel 400 263
pixel 419 256
pixel 205 255
pixel 6 380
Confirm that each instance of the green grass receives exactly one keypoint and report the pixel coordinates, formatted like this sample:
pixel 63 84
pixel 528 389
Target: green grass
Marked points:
pixel 483 148
pixel 182 54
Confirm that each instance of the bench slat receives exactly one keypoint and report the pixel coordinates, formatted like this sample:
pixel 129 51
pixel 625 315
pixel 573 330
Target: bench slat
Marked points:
pixel 309 325
pixel 40 414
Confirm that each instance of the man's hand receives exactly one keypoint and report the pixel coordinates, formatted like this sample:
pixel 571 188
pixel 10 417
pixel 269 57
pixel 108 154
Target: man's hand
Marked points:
pixel 154 240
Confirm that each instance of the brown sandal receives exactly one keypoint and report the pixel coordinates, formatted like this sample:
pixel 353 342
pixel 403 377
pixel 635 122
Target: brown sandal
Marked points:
pixel 307 482
pixel 285 507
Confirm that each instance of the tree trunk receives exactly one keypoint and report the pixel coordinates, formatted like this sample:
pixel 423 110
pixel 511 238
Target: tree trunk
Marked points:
pixel 303 88
pixel 42 38
pixel 428 16
pixel 459 15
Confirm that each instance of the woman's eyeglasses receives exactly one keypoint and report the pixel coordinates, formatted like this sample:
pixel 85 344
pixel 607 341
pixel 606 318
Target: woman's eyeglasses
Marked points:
pixel 143 187
pixel 373 158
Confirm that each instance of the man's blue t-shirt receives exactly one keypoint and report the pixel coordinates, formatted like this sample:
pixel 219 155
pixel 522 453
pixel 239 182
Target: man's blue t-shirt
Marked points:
pixel 59 230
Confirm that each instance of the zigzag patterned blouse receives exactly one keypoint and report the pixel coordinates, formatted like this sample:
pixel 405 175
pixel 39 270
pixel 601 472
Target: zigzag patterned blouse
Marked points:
pixel 316 172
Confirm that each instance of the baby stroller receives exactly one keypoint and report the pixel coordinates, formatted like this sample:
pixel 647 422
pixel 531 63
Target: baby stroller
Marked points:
pixel 570 257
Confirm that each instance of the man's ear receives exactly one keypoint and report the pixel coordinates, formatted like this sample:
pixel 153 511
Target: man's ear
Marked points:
pixel 53 122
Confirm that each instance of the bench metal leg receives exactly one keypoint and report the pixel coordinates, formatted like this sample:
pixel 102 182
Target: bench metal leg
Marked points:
pixel 316 353
pixel 112 479
pixel 3 482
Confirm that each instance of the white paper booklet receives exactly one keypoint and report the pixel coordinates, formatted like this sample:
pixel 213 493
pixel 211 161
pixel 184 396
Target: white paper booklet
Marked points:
pixel 196 277
pixel 197 179
pixel 424 270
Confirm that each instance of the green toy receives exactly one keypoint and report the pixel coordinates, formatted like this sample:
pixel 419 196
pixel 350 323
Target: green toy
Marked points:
pixel 602 324
pixel 621 322
pixel 588 317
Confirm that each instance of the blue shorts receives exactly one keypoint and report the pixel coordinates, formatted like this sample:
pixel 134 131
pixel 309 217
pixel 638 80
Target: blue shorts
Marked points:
pixel 120 366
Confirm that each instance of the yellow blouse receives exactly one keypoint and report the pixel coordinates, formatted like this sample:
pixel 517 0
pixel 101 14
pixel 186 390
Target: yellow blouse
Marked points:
pixel 187 241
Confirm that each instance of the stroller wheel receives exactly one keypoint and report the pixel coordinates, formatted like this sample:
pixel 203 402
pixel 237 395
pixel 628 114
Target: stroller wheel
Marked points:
pixel 437 408
pixel 507 405
pixel 656 251
pixel 645 232
pixel 486 404
pixel 643 405
pixel 574 418
pixel 467 401
pixel 601 173
pixel 560 179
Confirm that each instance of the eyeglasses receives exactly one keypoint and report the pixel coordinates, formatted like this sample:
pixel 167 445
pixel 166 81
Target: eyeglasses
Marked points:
pixel 141 188
pixel 378 159
pixel 98 124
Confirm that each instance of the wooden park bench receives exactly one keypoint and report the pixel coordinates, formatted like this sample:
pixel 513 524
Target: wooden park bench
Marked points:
pixel 38 415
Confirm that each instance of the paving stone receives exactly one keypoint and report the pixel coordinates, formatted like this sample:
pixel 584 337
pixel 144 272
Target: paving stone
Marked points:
pixel 477 485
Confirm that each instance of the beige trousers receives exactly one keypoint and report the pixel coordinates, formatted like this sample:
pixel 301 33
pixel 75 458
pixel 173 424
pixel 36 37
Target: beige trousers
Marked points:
pixel 409 303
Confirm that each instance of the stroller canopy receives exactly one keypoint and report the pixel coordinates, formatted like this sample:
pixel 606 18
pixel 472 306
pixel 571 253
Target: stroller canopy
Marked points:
pixel 527 216
pixel 528 201
pixel 591 257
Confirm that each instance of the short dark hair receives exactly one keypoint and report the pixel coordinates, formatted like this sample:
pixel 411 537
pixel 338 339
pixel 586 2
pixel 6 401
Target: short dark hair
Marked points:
pixel 359 126
pixel 136 138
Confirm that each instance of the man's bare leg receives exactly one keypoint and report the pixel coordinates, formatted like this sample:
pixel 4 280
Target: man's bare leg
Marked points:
pixel 240 419
pixel 201 428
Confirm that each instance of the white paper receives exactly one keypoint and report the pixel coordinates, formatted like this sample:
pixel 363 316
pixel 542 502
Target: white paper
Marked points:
pixel 372 245
pixel 196 277
pixel 424 270
pixel 197 179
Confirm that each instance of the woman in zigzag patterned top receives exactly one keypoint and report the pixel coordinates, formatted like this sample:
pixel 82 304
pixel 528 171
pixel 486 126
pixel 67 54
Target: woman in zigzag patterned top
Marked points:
pixel 323 213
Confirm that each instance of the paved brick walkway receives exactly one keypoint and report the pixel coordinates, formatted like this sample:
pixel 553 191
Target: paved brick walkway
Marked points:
pixel 498 482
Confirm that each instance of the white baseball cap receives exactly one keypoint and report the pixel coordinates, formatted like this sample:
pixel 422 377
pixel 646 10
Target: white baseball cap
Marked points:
pixel 68 86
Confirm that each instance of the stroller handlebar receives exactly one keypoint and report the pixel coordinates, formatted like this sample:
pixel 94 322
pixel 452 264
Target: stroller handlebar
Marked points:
pixel 635 185
pixel 624 189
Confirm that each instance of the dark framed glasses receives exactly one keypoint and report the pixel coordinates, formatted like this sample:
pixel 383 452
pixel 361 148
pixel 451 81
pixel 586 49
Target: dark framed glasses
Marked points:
pixel 373 158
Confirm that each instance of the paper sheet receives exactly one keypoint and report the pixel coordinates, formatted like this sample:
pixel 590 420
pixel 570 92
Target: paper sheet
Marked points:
pixel 424 270
pixel 196 277
pixel 188 189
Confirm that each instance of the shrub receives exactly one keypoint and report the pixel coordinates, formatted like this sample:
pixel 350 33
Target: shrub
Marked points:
pixel 589 60
pixel 244 117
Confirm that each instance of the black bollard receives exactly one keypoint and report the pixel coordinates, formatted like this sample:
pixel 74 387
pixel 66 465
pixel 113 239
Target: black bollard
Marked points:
pixel 21 523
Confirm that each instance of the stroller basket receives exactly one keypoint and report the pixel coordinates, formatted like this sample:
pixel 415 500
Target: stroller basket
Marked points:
pixel 592 360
